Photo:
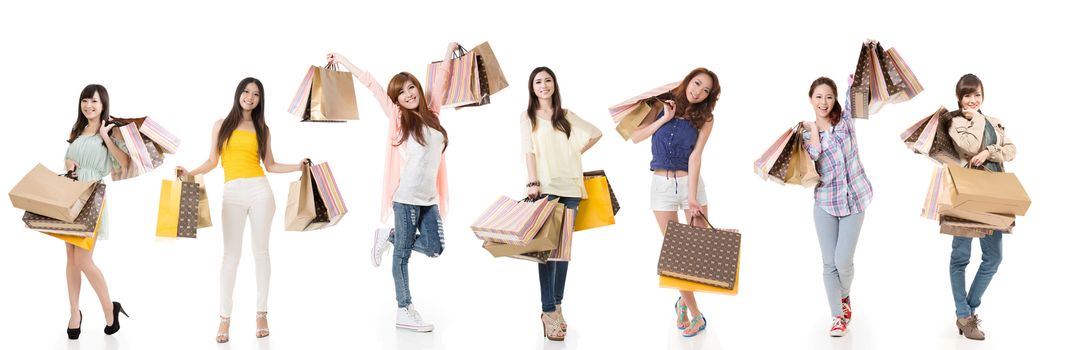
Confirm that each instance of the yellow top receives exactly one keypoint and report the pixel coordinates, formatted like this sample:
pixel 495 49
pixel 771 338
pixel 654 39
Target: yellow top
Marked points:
pixel 240 156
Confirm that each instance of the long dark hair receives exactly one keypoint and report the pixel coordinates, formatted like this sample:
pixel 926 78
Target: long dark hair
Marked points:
pixel 698 113
pixel 558 115
pixel 82 121
pixel 968 84
pixel 835 114
pixel 412 120
pixel 235 117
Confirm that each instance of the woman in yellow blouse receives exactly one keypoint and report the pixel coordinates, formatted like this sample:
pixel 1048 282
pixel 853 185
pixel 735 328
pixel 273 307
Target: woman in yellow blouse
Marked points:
pixel 553 140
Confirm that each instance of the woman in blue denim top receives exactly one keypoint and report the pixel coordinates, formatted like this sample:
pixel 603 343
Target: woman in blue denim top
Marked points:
pixel 678 135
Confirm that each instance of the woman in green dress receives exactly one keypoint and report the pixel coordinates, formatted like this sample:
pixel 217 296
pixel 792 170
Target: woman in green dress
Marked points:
pixel 92 155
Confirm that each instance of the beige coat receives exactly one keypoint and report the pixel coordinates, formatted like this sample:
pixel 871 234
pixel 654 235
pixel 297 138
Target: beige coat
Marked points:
pixel 968 136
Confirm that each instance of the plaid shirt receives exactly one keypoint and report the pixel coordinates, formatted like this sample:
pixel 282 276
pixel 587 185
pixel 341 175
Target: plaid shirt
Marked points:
pixel 844 189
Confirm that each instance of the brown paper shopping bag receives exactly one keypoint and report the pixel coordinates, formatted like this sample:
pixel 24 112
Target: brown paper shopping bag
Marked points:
pixel 301 210
pixel 43 192
pixel 985 191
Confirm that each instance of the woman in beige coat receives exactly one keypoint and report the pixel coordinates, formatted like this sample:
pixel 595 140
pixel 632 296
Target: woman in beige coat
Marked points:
pixel 981 142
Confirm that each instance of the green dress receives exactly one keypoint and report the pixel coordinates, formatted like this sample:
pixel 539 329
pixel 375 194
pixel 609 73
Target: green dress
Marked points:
pixel 94 163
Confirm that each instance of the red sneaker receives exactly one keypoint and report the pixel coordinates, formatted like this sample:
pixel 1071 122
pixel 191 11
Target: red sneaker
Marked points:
pixel 838 327
pixel 847 311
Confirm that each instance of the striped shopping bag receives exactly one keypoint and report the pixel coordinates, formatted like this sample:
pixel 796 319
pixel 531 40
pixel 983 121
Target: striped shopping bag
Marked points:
pixel 911 86
pixel 629 114
pixel 513 222
pixel 167 141
pixel 463 87
pixel 328 191
pixel 141 161
pixel 935 191
pixel 762 166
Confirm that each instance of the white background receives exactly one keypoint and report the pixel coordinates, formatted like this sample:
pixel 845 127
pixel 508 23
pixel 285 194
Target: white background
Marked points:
pixel 179 63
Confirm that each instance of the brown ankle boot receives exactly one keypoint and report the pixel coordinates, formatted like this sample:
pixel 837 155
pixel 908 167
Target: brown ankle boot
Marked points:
pixel 970 327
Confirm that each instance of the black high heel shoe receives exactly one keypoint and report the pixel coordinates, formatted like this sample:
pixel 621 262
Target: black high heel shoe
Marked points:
pixel 73 333
pixel 116 309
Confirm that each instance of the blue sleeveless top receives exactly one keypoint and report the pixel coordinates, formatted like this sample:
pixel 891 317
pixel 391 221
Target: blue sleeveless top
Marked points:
pixel 672 144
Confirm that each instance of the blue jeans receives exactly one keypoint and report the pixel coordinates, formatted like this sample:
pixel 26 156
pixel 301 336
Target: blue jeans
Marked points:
pixel 961 249
pixel 409 219
pixel 838 242
pixel 553 273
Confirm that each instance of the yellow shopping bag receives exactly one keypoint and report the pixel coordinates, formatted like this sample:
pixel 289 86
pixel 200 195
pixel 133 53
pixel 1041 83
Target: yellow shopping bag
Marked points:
pixel 595 211
pixel 167 216
pixel 681 284
pixel 79 241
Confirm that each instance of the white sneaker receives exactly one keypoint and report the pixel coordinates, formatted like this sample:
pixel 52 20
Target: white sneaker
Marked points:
pixel 380 244
pixel 408 318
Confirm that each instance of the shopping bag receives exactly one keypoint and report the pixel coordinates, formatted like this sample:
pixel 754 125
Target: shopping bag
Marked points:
pixel 162 138
pixel 986 191
pixel 42 192
pixel 204 216
pixel 547 239
pixel 513 222
pixel 84 225
pixel 629 114
pixel 610 191
pixel 86 243
pixel 144 157
pixel 301 208
pixel 704 255
pixel 906 84
pixel 329 96
pixel 327 199
pixel 762 166
pixel 566 240
pixel 596 210
pixel 178 210
pixel 781 168
pixel 681 284
pixel 463 85
pixel 881 78
pixel 802 168
pixel 491 74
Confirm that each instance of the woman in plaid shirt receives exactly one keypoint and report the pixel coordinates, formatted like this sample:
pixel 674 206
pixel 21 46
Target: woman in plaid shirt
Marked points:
pixel 841 196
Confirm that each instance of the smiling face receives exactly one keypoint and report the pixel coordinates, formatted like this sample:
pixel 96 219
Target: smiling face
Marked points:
pixel 92 106
pixel 543 85
pixel 250 97
pixel 972 100
pixel 823 100
pixel 408 96
pixel 699 87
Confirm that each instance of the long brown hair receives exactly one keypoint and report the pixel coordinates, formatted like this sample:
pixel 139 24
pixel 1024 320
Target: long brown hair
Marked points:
pixel 835 114
pixel 968 84
pixel 82 121
pixel 697 113
pixel 412 120
pixel 558 115
pixel 235 117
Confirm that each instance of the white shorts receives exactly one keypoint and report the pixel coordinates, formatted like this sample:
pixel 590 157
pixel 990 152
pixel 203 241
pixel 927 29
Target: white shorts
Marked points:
pixel 671 193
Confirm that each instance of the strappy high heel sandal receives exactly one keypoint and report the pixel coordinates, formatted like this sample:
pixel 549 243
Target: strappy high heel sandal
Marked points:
pixel 683 314
pixel 693 325
pixel 559 315
pixel 552 328
pixel 223 337
pixel 262 332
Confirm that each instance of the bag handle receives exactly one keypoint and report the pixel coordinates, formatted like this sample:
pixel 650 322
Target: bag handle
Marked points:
pixel 977 167
pixel 703 217
pixel 459 52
